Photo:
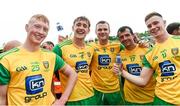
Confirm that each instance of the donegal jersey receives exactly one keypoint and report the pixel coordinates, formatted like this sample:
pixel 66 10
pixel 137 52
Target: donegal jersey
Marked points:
pixel 29 76
pixel 132 62
pixel 165 59
pixel 102 75
pixel 79 59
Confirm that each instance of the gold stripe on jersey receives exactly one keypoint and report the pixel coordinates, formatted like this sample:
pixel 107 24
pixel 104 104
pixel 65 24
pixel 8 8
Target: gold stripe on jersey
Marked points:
pixel 165 59
pixel 132 63
pixel 102 75
pixel 79 60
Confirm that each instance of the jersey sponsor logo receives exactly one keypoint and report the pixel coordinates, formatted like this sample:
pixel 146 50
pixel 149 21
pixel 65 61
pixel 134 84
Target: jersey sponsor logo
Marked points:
pixel 82 67
pixel 28 99
pixel 104 60
pixel 167 68
pixel 134 69
pixel 21 68
pixel 34 84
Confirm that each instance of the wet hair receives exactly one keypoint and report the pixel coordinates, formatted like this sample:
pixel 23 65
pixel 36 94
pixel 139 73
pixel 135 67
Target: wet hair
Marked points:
pixel 123 28
pixel 82 18
pixel 172 26
pixel 151 15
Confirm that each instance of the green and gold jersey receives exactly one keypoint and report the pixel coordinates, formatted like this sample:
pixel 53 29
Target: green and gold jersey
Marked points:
pixel 102 75
pixel 79 59
pixel 132 62
pixel 29 76
pixel 165 59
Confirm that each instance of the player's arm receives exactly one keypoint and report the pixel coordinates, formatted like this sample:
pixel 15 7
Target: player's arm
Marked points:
pixel 3 94
pixel 72 77
pixel 4 80
pixel 141 80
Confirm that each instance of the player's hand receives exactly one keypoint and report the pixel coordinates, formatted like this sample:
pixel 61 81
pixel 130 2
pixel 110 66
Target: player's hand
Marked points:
pixel 118 69
pixel 60 102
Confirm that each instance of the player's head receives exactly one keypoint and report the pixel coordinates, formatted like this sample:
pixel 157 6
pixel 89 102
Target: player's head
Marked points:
pixel 173 28
pixel 37 28
pixel 102 30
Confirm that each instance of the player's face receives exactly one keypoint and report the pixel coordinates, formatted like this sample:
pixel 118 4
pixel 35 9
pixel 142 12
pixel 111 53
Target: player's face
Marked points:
pixel 102 31
pixel 48 46
pixel 176 32
pixel 37 31
pixel 81 29
pixel 156 26
pixel 126 38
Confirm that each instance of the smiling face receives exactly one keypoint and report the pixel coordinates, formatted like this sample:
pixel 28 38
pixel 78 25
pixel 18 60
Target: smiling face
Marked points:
pixel 37 30
pixel 156 26
pixel 102 31
pixel 81 28
pixel 126 38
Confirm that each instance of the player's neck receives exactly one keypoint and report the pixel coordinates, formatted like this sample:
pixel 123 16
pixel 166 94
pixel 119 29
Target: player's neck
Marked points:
pixel 131 47
pixel 79 42
pixel 103 42
pixel 163 38
pixel 30 46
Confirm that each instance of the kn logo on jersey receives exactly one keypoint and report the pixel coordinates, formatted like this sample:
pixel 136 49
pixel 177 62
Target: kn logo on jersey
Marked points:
pixel 134 69
pixel 167 68
pixel 104 60
pixel 34 84
pixel 82 66
pixel 34 88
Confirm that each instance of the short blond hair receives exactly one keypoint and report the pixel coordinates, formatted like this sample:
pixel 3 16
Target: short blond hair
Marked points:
pixel 39 17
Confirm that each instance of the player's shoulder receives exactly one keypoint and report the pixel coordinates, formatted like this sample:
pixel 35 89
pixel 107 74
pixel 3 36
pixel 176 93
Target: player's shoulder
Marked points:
pixel 9 52
pixel 65 42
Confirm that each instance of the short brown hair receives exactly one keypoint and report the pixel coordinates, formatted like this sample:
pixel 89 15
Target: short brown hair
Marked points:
pixel 103 22
pixel 82 18
pixel 151 15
